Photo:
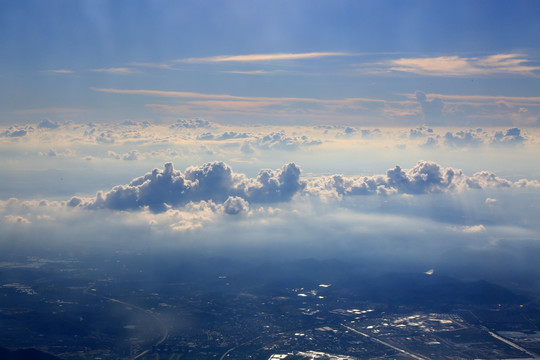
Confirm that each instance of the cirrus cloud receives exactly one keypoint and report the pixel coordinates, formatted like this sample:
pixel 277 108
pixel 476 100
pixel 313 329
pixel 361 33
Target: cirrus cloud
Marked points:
pixel 262 57
pixel 515 64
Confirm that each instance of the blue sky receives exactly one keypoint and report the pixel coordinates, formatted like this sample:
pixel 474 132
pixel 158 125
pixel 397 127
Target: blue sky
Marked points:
pixel 58 55
pixel 398 130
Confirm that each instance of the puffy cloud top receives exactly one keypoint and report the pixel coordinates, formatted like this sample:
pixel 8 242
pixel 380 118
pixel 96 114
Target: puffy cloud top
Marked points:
pixel 510 137
pixel 214 181
pixel 424 178
pixel 190 124
pixel 48 124
pixel 280 141
pixel 227 135
pixel 235 205
pixel 420 132
pixel 464 138
pixel 16 132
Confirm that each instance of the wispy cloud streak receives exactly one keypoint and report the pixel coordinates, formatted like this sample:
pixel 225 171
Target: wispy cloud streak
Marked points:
pixel 256 105
pixel 515 64
pixel 194 95
pixel 51 110
pixel 253 72
pixel 116 71
pixel 482 99
pixel 262 57
pixel 60 71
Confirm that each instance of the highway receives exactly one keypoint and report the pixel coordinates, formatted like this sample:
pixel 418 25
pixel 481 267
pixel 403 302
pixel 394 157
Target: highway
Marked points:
pixel 236 347
pixel 147 312
pixel 417 357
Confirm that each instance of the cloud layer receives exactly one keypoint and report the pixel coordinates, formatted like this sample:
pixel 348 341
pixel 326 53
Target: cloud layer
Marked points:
pixel 424 178
pixel 216 181
pixel 167 188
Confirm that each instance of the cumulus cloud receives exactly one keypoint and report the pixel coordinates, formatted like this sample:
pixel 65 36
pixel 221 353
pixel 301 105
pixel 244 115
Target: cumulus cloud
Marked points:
pixel 56 153
pixel 50 153
pixel 129 156
pixel 275 140
pixel 464 138
pixel 48 124
pixel 420 132
pixel 129 123
pixel 432 110
pixel 190 124
pixel 370 133
pixel 216 181
pixel 16 131
pixel 224 136
pixel 16 219
pixel 235 205
pixel 424 178
pixel 281 141
pixel 106 137
pixel 430 143
pixel 510 137
pixel 479 137
pixel 74 201
pixel 524 183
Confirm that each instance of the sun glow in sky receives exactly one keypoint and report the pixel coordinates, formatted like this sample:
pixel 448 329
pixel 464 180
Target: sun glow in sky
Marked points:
pixel 394 130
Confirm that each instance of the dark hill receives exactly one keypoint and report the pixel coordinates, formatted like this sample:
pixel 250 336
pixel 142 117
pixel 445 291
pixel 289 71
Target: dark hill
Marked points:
pixel 25 354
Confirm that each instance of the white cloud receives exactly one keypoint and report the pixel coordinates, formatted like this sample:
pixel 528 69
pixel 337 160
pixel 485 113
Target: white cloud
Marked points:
pixel 217 105
pixel 254 72
pixel 473 229
pixel 464 138
pixel 510 137
pixel 262 57
pixel 212 181
pixel 116 71
pixel 15 132
pixel 281 141
pixel 48 124
pixel 424 178
pixel 515 64
pixel 60 71
pixel 190 124
pixel 152 65
pixel 16 219
pixel 217 182
pixel 235 205
pixel 400 229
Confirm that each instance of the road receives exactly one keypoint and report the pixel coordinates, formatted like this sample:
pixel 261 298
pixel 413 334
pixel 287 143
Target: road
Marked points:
pixel 515 346
pixel 504 340
pixel 236 347
pixel 147 312
pixel 417 357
